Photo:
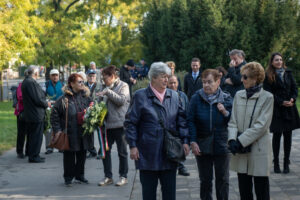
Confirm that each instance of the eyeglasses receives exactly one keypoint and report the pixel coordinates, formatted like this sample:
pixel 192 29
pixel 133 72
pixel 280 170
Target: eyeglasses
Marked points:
pixel 80 82
pixel 244 76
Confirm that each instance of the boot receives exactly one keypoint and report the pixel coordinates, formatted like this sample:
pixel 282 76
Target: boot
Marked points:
pixel 286 168
pixel 276 166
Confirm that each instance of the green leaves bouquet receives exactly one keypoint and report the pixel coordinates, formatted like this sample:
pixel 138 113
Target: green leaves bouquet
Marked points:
pixel 94 117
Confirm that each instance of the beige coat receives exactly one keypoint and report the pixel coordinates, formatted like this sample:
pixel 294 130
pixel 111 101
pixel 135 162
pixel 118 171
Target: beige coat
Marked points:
pixel 258 161
pixel 117 99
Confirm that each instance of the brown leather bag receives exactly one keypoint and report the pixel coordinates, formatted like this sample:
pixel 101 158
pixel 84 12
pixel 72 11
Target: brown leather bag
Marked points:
pixel 60 139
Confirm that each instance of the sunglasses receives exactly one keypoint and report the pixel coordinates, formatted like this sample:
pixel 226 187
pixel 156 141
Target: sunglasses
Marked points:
pixel 80 82
pixel 244 76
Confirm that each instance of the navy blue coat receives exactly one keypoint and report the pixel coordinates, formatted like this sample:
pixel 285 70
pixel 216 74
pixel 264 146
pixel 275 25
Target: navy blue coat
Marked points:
pixel 207 124
pixel 144 131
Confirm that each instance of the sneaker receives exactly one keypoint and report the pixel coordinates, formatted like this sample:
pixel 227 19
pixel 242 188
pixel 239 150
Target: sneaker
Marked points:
pixel 106 181
pixel 122 181
pixel 82 180
pixel 91 155
pixel 68 183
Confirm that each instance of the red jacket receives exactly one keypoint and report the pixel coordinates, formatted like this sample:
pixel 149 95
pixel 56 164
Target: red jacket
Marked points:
pixel 19 108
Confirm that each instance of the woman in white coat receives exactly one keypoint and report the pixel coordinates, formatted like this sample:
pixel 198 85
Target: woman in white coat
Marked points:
pixel 252 164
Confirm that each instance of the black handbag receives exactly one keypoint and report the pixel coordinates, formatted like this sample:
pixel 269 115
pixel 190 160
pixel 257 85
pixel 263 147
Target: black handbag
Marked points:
pixel 247 149
pixel 172 145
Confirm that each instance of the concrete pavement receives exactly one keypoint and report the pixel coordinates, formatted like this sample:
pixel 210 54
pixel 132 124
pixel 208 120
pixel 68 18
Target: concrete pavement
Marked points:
pixel 22 180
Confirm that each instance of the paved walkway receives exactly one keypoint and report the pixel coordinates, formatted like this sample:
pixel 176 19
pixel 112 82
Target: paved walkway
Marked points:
pixel 22 180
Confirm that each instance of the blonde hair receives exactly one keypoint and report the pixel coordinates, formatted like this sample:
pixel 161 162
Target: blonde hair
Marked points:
pixel 255 71
pixel 171 64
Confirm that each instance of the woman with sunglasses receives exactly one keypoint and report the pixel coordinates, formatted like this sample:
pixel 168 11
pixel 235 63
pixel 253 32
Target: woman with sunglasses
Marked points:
pixel 76 95
pixel 281 83
pixel 249 127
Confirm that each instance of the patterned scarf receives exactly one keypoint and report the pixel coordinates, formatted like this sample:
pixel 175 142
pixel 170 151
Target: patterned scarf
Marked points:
pixel 251 91
pixel 280 72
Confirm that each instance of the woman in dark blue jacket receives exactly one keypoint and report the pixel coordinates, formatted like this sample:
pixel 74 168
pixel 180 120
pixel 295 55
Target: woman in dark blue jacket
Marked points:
pixel 209 113
pixel 145 135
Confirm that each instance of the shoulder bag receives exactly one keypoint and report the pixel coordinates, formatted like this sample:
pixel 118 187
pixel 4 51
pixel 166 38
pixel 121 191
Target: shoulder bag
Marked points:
pixel 172 145
pixel 247 149
pixel 60 139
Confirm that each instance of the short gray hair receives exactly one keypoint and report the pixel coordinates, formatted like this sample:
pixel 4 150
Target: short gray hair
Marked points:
pixel 32 69
pixel 92 63
pixel 238 52
pixel 158 68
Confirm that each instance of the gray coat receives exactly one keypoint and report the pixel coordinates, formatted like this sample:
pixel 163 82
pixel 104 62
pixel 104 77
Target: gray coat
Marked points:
pixel 258 161
pixel 117 100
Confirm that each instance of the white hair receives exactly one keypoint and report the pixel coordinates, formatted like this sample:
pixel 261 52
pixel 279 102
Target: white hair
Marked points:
pixel 158 68
pixel 83 75
pixel 32 69
pixel 92 63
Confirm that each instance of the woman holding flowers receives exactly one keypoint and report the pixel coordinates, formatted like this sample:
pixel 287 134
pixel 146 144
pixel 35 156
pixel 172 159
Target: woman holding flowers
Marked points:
pixel 117 97
pixel 76 95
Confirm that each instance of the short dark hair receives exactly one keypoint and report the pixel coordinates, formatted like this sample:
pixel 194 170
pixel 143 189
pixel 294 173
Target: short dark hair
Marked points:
pixel 215 73
pixel 196 60
pixel 222 69
pixel 110 70
pixel 73 77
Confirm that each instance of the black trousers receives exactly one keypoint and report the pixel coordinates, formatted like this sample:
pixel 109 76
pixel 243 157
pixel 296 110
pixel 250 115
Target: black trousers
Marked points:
pixel 206 165
pixel 35 139
pixel 74 162
pixel 21 129
pixel 287 144
pixel 116 135
pixel 261 186
pixel 149 181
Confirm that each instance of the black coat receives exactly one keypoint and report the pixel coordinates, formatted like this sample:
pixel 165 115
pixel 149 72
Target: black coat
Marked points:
pixel 234 73
pixel 125 76
pixel 284 118
pixel 34 101
pixel 191 85
pixel 77 140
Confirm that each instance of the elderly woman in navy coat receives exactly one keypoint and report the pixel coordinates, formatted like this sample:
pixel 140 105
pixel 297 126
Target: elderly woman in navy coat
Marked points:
pixel 209 113
pixel 145 135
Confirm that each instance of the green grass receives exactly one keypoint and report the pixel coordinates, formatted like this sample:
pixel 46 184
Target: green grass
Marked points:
pixel 8 124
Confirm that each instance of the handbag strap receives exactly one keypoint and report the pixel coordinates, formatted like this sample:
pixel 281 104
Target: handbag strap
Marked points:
pixel 253 113
pixel 67 110
pixel 160 120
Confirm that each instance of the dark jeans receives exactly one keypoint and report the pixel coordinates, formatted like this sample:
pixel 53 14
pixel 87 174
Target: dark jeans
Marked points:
pixel 149 181
pixel 261 186
pixel 35 139
pixel 21 128
pixel 287 144
pixel 74 164
pixel 206 165
pixel 116 135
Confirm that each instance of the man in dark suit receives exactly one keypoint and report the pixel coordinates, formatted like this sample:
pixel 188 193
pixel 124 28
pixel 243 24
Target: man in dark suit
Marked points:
pixel 192 81
pixel 35 103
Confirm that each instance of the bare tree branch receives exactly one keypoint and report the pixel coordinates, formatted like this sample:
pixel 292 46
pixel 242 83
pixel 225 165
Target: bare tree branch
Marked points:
pixel 70 5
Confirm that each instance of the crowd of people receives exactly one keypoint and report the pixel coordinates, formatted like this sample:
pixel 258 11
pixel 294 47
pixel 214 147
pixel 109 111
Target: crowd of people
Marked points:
pixel 224 117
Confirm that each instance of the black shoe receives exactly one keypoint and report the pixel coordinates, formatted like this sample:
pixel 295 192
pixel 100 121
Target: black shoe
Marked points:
pixel 68 183
pixel 183 172
pixel 21 155
pixel 82 180
pixel 286 168
pixel 91 155
pixel 49 151
pixel 277 168
pixel 36 160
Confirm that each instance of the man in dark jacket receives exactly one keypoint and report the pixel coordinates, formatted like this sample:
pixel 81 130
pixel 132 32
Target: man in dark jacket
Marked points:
pixel 126 76
pixel 192 81
pixel 233 81
pixel 35 103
